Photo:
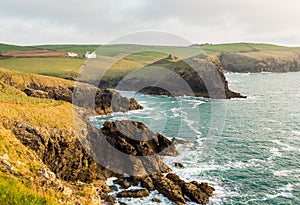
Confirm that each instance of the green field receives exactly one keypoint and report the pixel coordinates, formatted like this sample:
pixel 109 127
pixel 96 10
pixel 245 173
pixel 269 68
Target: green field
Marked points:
pixel 238 47
pixel 58 67
pixel 7 47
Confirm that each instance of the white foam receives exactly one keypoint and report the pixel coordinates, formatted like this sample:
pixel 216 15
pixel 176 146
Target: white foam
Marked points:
pixel 286 147
pixel 282 173
pixel 275 153
pixel 110 180
pixel 285 173
pixel 296 132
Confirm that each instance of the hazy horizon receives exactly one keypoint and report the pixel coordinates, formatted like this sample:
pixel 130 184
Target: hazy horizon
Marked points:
pixel 224 43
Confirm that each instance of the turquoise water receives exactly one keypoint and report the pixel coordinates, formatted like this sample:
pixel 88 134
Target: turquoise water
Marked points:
pixel 248 149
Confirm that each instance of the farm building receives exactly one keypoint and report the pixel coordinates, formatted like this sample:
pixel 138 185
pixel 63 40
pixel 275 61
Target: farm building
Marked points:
pixel 72 54
pixel 90 55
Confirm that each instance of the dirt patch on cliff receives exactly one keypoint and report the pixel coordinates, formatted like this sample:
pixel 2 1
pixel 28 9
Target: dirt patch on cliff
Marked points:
pixel 34 53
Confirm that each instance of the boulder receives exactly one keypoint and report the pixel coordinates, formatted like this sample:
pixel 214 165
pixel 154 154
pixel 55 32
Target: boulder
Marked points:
pixel 168 188
pixel 156 200
pixel 198 193
pixel 195 194
pixel 134 193
pixel 148 183
pixel 124 184
pixel 179 165
pixel 205 188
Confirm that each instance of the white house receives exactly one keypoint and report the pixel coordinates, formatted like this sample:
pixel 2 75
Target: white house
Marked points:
pixel 72 54
pixel 90 55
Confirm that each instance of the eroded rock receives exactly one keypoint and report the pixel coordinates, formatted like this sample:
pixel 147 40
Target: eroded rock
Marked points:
pixel 134 193
pixel 168 188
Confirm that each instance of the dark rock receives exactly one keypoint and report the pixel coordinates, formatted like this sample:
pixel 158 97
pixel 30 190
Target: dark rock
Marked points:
pixel 205 188
pixel 179 165
pixel 176 179
pixel 195 194
pixel 35 93
pixel 148 183
pixel 135 193
pixel 156 200
pixel 61 150
pixel 136 139
pixel 168 188
pixel 87 96
pixel 110 200
pixel 124 184
pixel 180 141
pixel 198 193
pixel 113 188
pixel 132 148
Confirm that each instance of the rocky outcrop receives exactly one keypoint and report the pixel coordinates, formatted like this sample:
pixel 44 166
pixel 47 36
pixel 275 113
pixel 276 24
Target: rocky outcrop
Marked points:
pixel 179 165
pixel 83 95
pixel 147 183
pixel 199 76
pixel 167 187
pixel 134 138
pixel 130 147
pixel 61 150
pixel 176 189
pixel 198 193
pixel 135 193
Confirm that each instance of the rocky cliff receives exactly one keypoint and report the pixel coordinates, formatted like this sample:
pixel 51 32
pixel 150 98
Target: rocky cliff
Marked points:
pixel 103 101
pixel 259 61
pixel 199 76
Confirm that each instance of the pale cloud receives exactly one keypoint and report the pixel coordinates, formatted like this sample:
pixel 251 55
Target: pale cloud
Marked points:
pixel 95 21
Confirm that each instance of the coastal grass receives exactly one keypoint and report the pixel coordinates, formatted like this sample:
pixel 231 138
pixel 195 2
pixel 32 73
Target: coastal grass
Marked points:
pixel 13 192
pixel 15 104
pixel 58 67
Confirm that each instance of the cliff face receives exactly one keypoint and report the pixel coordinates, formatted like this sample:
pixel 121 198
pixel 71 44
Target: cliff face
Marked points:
pixel 105 101
pixel 199 76
pixel 102 101
pixel 258 61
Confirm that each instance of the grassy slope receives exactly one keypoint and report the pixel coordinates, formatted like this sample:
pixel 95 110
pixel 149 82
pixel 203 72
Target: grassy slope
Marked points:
pixel 13 192
pixel 17 188
pixel 59 67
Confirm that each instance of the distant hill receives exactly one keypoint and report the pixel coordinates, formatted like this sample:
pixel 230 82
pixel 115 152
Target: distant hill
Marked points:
pixel 8 47
pixel 235 57
pixel 81 49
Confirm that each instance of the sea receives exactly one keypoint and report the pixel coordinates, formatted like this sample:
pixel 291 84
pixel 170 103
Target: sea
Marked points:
pixel 247 149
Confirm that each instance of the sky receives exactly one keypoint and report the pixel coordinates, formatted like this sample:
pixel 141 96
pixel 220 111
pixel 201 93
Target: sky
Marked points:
pixel 33 22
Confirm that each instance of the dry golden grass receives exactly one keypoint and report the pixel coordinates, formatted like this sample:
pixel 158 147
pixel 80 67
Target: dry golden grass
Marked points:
pixel 260 55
